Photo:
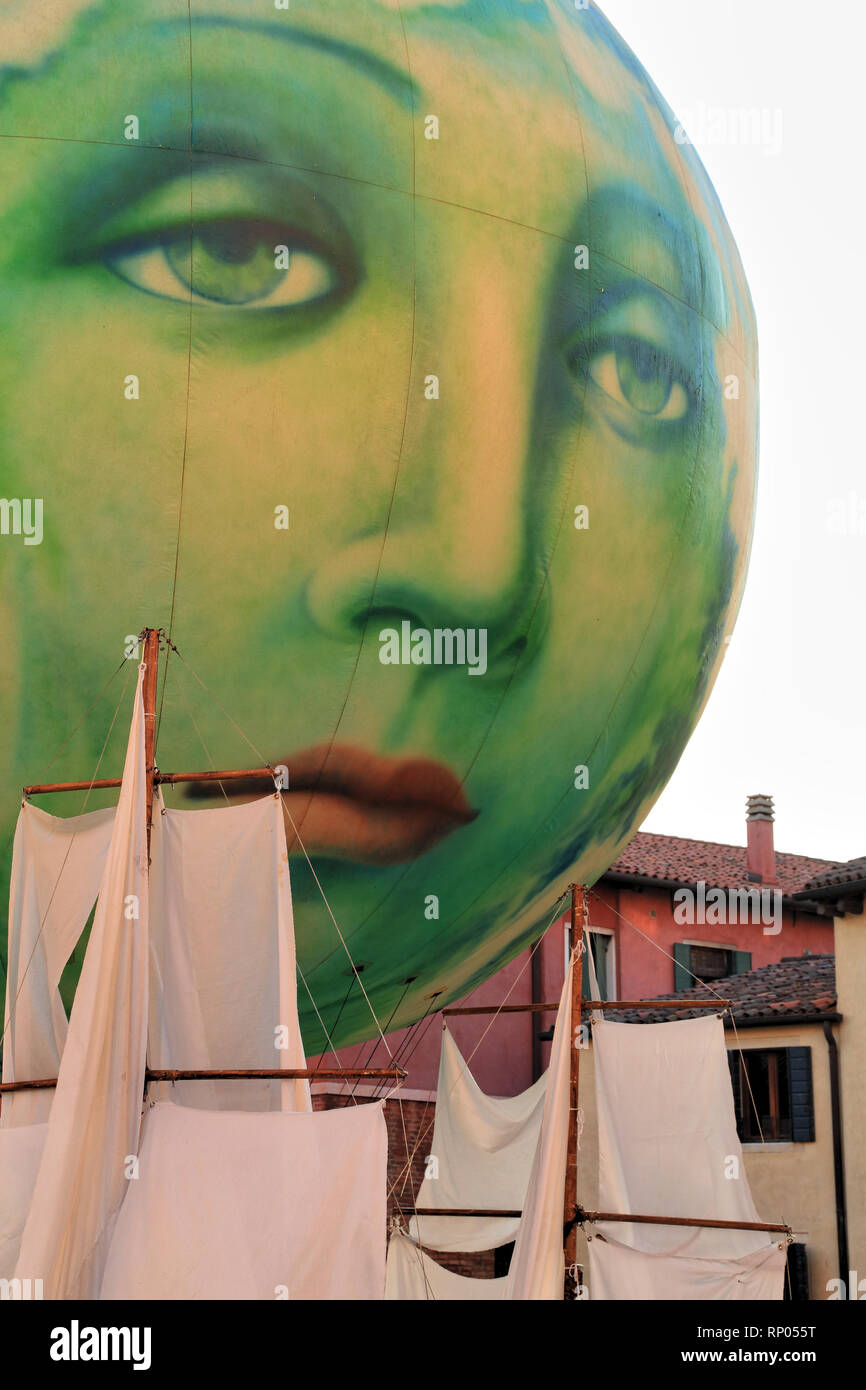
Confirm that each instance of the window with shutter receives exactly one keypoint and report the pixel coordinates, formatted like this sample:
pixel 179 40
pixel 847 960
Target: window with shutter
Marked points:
pixel 693 962
pixel 772 1090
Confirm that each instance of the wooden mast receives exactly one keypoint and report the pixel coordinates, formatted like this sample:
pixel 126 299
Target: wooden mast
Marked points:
pixel 578 909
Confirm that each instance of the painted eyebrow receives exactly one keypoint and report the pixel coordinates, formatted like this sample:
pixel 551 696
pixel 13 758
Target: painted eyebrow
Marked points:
pixel 636 208
pixel 393 81
pixel 684 241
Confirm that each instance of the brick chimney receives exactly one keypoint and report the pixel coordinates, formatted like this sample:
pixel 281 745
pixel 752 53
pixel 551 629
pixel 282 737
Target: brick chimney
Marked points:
pixel 760 852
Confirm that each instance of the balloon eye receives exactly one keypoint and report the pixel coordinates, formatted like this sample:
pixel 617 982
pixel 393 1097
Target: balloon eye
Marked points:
pixel 237 264
pixel 640 376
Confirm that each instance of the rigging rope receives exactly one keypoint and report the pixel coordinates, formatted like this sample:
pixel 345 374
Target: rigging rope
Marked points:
pixel 339 1014
pixel 410 1035
pixel 373 1050
pixel 194 723
pixel 322 1023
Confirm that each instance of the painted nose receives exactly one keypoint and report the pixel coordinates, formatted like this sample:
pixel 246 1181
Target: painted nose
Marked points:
pixel 454 549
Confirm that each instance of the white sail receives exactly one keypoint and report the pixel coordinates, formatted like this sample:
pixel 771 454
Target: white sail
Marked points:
pixel 223 973
pixel 619 1272
pixel 20 1156
pixel 668 1146
pixel 413 1276
pixel 537 1186
pixel 57 866
pixel 537 1268
pixel 94 1122
pixel 481 1155
pixel 232 1205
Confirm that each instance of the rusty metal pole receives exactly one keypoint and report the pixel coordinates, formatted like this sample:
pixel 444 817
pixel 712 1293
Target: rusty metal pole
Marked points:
pixel 150 637
pixel 570 1205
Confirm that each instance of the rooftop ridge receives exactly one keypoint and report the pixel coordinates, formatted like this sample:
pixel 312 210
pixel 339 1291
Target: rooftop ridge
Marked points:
pixel 724 844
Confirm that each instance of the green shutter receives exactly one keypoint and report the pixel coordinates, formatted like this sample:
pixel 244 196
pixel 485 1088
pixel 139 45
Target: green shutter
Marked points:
pixel 682 966
pixel 599 945
pixel 800 1091
pixel 742 962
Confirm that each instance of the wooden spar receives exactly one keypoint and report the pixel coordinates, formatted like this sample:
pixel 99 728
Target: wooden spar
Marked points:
pixel 456 1211
pixel 249 774
pixel 503 1009
pixel 148 695
pixel 28 1085
pixel 261 1073
pixel 595 1216
pixel 657 1004
pixel 578 910
pixel 253 774
pixel 280 1073
pixel 41 787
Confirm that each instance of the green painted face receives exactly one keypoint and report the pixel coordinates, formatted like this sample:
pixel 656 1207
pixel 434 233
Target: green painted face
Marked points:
pixel 325 331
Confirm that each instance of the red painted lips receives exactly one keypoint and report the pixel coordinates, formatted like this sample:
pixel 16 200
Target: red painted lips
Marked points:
pixel 348 803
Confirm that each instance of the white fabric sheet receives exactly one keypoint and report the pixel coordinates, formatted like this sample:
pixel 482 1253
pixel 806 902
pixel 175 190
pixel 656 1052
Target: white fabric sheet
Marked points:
pixel 411 1275
pixel 20 1155
pixel 667 1136
pixel 617 1272
pixel 57 865
pixel 538 1265
pixel 95 1115
pixel 242 1206
pixel 484 1147
pixel 223 974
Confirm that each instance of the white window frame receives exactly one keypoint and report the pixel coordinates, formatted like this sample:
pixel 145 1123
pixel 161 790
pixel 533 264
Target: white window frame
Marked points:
pixel 611 954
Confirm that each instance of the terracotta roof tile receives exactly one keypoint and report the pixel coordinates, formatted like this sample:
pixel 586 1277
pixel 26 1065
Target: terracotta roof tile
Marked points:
pixel 852 872
pixel 722 866
pixel 793 985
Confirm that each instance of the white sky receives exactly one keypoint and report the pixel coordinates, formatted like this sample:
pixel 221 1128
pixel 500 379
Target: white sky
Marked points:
pixel 786 716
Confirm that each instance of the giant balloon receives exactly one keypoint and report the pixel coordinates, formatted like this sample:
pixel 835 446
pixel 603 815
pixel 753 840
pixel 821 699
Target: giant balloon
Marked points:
pixel 396 357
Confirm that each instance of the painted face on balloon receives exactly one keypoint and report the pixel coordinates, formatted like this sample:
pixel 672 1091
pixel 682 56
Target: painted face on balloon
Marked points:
pixel 344 340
